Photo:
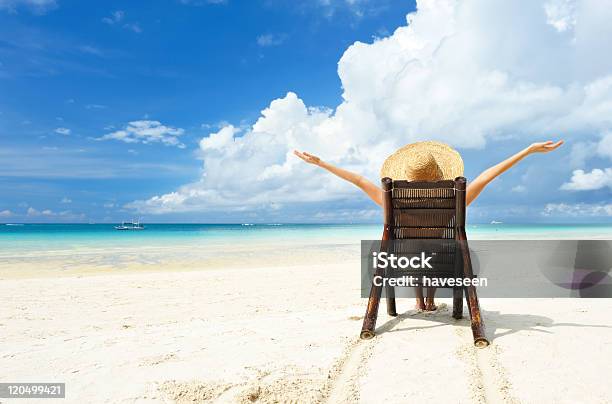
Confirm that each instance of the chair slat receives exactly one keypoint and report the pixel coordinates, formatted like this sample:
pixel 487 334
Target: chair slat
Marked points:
pixel 423 210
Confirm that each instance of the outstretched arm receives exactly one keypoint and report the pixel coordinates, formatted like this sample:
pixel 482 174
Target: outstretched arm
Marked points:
pixel 475 187
pixel 364 184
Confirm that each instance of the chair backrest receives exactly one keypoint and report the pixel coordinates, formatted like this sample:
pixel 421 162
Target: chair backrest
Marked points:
pixel 423 210
pixel 429 213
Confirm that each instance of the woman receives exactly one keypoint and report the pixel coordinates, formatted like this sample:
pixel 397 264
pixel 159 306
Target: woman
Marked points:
pixel 428 161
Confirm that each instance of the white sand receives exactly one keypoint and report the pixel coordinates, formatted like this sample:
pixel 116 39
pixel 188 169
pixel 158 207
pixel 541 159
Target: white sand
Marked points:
pixel 290 334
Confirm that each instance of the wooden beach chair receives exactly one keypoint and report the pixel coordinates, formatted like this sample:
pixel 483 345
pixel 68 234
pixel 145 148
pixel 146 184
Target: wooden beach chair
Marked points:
pixel 428 212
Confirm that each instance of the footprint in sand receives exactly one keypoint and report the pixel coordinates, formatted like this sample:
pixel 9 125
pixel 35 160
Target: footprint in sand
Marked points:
pixel 158 359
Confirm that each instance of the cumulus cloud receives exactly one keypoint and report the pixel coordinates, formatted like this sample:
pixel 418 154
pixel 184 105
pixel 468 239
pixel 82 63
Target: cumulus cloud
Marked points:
pixel 145 131
pixel 6 213
pixel 37 6
pixel 589 181
pixel 577 210
pixel 443 76
pixel 62 131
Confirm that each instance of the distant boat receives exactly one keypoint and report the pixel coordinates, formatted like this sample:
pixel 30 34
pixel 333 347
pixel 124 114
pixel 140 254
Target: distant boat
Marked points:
pixel 133 225
pixel 496 222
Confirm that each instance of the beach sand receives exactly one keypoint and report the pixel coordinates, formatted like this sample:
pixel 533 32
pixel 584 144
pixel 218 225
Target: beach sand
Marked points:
pixel 286 332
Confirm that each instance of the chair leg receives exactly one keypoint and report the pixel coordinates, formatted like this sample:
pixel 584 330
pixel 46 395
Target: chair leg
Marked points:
pixel 478 329
pixel 391 310
pixel 369 321
pixel 390 292
pixel 480 341
pixel 458 303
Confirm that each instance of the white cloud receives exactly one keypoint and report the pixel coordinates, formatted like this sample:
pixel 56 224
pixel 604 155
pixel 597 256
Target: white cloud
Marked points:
pixel 37 6
pixel 91 50
pixel 6 213
pixel 584 151
pixel 118 17
pixel 133 26
pixel 95 106
pixel 561 14
pixel 444 76
pixel 114 18
pixel 577 210
pixel 519 189
pixel 604 147
pixel 66 200
pixel 220 140
pixel 584 181
pixel 34 212
pixel 348 215
pixel 358 8
pixel 271 39
pixel 48 213
pixel 581 152
pixel 145 131
pixel 63 131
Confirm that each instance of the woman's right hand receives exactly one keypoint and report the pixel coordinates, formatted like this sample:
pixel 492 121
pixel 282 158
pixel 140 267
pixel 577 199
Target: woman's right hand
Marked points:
pixel 307 157
pixel 366 186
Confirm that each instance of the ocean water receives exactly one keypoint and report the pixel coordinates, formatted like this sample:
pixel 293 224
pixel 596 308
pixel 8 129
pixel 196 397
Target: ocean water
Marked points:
pixel 55 237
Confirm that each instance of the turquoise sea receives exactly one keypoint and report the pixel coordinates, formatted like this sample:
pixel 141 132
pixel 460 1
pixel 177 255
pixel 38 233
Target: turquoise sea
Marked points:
pixel 40 237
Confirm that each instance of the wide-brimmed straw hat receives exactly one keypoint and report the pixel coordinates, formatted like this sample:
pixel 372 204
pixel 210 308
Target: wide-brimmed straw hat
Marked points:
pixel 423 161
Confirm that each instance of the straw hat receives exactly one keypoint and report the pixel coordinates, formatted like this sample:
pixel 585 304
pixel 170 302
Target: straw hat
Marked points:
pixel 423 161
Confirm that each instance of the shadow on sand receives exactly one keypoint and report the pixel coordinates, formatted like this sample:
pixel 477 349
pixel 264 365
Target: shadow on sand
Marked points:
pixel 497 324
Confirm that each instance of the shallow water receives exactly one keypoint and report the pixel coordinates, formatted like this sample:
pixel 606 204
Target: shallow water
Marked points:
pixel 60 237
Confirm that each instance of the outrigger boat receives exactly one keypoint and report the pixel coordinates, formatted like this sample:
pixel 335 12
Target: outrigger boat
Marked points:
pixel 133 225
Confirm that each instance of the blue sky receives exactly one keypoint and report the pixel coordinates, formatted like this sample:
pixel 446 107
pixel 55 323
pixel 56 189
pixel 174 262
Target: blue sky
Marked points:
pixel 190 64
pixel 105 103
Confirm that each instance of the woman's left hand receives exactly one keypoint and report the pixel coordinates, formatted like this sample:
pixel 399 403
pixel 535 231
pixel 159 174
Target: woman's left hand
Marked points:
pixel 544 147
